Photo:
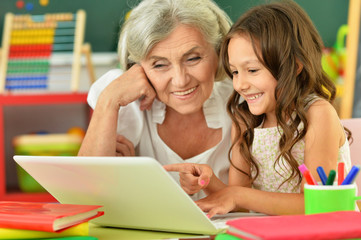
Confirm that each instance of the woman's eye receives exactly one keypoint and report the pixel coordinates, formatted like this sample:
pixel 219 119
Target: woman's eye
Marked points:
pixel 234 72
pixel 158 65
pixel 193 59
pixel 253 70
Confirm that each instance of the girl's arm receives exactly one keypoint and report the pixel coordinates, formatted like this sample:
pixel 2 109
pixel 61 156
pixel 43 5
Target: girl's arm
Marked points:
pixel 239 196
pixel 322 141
pixel 236 177
pixel 101 136
pixel 324 137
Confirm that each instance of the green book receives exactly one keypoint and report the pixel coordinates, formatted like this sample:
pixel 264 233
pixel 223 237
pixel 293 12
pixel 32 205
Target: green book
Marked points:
pixel 72 238
pixel 225 236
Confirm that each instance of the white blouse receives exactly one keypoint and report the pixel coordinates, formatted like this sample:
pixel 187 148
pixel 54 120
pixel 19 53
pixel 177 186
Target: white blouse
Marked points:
pixel 140 127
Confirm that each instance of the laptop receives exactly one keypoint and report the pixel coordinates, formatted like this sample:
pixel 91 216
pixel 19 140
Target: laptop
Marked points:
pixel 135 192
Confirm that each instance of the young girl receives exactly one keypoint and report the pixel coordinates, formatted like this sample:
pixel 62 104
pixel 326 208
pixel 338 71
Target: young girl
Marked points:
pixel 273 53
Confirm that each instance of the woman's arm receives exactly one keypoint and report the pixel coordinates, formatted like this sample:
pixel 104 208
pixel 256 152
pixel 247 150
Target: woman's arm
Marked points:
pixel 194 177
pixel 101 136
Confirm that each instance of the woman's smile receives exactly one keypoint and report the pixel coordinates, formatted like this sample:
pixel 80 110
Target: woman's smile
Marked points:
pixel 185 92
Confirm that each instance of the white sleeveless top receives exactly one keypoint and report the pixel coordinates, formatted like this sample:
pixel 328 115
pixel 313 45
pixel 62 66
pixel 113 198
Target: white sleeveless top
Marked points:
pixel 265 149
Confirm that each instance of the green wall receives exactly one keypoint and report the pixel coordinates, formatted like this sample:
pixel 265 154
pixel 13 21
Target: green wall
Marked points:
pixel 105 16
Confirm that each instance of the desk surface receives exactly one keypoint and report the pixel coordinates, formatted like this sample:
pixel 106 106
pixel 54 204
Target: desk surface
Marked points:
pixel 108 233
pixel 104 233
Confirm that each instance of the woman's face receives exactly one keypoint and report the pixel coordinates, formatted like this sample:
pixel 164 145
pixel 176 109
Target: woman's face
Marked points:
pixel 182 68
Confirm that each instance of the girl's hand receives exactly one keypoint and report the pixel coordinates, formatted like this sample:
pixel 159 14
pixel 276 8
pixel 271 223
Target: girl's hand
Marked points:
pixel 124 147
pixel 193 177
pixel 220 202
pixel 128 87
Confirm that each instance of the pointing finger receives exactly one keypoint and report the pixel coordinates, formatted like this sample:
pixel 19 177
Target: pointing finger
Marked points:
pixel 177 167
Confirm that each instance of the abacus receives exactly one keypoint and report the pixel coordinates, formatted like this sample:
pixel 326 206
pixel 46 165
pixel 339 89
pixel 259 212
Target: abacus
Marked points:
pixel 28 44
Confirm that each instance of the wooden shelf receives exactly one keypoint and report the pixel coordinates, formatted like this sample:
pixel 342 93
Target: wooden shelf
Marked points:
pixel 27 100
pixel 31 99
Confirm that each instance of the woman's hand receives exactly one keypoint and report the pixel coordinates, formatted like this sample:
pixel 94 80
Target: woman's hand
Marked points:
pixel 128 87
pixel 124 147
pixel 101 137
pixel 193 177
pixel 220 202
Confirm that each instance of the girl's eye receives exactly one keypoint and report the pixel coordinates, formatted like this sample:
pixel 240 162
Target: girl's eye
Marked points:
pixel 235 72
pixel 253 70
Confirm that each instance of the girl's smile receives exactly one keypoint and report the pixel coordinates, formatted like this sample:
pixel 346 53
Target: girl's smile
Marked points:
pixel 252 97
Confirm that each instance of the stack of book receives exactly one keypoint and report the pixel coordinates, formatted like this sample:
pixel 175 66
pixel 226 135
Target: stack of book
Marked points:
pixel 31 220
pixel 332 225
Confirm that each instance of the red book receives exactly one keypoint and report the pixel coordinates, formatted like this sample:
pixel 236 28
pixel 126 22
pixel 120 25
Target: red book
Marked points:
pixel 50 217
pixel 333 225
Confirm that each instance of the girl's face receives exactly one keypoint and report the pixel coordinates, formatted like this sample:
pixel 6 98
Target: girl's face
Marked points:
pixel 250 78
pixel 182 68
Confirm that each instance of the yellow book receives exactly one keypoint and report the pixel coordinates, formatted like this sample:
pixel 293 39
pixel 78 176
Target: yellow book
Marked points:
pixel 81 229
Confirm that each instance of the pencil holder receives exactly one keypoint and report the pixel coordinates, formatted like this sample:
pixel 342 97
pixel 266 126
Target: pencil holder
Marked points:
pixel 321 199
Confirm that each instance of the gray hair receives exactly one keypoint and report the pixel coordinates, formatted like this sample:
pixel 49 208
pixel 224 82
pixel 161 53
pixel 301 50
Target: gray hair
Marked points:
pixel 153 20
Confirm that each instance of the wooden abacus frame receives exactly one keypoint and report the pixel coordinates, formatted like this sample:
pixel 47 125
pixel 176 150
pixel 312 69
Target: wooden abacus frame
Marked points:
pixel 78 49
pixel 352 45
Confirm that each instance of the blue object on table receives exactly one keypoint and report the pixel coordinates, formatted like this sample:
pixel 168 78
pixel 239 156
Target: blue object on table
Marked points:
pixel 350 178
pixel 322 175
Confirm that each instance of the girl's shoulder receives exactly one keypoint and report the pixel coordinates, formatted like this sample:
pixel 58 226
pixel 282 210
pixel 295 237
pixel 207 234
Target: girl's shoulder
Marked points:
pixel 324 123
pixel 322 116
pixel 320 108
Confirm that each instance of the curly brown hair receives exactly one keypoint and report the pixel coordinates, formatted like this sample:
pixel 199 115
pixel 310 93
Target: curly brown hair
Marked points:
pixel 282 35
